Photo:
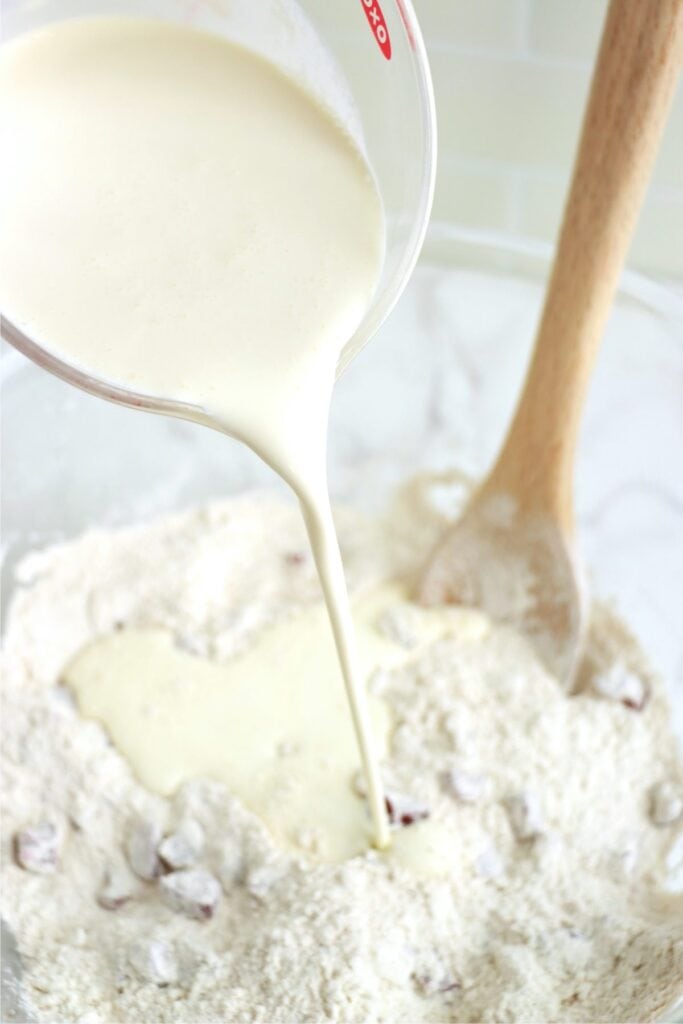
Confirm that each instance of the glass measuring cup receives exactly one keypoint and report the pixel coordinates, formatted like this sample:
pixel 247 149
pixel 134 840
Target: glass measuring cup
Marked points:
pixel 364 61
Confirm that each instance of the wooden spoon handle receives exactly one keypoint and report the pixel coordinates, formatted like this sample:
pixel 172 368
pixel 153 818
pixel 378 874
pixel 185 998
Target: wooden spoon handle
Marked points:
pixel 640 55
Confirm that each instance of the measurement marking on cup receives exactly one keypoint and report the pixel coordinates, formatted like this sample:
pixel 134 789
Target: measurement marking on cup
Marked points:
pixel 376 21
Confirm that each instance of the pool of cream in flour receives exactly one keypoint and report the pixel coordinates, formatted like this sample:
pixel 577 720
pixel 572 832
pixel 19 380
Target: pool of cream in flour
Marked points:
pixel 181 219
pixel 270 722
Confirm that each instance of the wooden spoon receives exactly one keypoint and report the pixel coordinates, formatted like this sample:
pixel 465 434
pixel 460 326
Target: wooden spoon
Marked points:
pixel 512 552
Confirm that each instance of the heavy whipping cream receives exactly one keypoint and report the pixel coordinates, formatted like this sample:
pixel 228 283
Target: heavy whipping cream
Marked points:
pixel 269 722
pixel 182 220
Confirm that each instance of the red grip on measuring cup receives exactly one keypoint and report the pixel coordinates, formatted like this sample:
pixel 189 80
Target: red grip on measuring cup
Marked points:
pixel 376 21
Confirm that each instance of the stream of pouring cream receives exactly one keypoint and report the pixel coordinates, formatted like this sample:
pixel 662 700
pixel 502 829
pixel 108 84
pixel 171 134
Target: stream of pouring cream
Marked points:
pixel 182 220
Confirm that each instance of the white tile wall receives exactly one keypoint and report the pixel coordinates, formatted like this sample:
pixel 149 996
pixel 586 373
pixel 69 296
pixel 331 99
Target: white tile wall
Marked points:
pixel 511 78
pixel 566 29
pixel 491 24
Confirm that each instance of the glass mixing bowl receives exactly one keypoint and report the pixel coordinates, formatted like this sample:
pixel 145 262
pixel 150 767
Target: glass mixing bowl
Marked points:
pixel 434 390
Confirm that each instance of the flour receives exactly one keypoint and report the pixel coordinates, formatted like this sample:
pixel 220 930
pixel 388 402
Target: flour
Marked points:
pixel 540 888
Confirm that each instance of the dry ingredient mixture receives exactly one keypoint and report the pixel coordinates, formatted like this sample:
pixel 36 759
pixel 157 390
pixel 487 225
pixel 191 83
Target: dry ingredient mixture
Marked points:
pixel 547 881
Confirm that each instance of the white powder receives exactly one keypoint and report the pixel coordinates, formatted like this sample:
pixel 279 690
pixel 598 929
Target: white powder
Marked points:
pixel 554 897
